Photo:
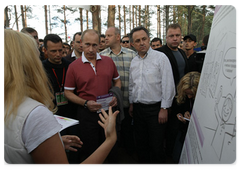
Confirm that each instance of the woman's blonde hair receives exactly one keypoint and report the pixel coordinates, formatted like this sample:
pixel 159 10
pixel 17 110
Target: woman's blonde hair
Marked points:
pixel 189 81
pixel 24 75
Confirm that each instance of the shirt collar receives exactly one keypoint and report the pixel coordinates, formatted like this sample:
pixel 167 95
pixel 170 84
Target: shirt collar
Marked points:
pixel 85 60
pixel 121 51
pixel 73 54
pixel 147 53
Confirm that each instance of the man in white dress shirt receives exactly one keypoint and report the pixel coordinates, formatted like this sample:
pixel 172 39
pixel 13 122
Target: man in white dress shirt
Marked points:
pixel 151 91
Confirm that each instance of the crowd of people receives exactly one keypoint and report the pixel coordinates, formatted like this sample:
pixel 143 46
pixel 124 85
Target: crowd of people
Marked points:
pixel 153 88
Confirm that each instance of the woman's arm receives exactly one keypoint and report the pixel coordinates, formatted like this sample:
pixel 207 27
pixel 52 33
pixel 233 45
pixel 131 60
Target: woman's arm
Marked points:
pixel 51 151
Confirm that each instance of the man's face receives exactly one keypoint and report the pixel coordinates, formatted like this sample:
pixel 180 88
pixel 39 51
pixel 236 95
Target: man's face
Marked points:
pixel 77 45
pixel 173 38
pixel 189 44
pixel 35 36
pixel 54 52
pixel 102 44
pixel 111 38
pixel 141 42
pixel 156 44
pixel 90 45
pixel 126 42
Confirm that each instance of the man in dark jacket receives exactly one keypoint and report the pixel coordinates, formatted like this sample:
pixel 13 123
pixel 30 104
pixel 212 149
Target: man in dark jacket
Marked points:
pixel 178 60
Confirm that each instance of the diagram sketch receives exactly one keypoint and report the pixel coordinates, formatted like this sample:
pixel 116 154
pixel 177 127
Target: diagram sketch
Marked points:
pixel 226 126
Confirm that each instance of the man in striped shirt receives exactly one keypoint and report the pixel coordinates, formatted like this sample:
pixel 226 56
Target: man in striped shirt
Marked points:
pixel 122 58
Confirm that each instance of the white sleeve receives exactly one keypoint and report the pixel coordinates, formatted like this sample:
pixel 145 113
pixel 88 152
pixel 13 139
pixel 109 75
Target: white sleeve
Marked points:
pixel 39 126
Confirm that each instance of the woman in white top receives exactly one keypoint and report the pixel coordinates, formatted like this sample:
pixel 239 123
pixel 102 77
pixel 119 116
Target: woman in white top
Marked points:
pixel 31 133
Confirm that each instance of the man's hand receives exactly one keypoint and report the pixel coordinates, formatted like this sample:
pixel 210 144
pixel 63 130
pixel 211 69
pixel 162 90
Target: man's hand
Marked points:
pixel 113 103
pixel 71 140
pixel 93 106
pixel 163 116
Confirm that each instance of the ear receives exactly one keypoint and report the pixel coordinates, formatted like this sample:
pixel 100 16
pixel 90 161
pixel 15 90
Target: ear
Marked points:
pixel 44 50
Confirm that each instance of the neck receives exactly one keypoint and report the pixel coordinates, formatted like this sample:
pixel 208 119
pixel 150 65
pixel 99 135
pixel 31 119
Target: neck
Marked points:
pixel 189 52
pixel 78 54
pixel 55 62
pixel 173 49
pixel 116 49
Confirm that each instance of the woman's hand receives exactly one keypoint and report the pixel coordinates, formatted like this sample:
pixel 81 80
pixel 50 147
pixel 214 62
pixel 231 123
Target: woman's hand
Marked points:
pixel 109 123
pixel 71 140
pixel 180 117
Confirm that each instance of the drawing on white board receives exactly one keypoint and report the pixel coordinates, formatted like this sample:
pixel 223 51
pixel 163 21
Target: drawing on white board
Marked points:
pixel 224 106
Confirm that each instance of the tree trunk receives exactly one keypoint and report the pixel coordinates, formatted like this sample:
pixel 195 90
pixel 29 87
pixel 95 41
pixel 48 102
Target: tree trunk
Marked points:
pixel 119 16
pixel 46 19
pixel 49 16
pixel 23 20
pixel 190 9
pixel 111 15
pixel 174 14
pixel 25 15
pixel 65 23
pixel 167 17
pixel 139 15
pixel 136 15
pixel 133 16
pixel 16 17
pixel 124 19
pixel 81 19
pixel 95 17
pixel 87 18
pixel 6 18
pixel 158 21
pixel 130 18
pixel 203 22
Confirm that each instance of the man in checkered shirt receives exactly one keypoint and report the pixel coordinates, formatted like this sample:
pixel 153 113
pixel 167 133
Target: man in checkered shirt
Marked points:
pixel 122 58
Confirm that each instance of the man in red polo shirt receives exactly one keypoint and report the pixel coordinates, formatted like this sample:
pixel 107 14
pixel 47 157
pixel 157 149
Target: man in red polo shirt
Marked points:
pixel 91 76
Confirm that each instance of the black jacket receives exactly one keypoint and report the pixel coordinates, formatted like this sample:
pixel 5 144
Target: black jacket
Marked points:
pixel 168 52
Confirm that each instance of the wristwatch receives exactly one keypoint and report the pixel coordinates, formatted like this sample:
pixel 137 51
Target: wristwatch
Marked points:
pixel 164 108
pixel 85 104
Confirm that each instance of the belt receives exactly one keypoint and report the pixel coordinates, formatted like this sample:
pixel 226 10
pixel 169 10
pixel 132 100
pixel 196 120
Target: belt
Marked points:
pixel 147 105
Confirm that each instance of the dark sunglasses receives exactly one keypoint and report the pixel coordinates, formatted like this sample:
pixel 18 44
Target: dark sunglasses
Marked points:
pixel 125 42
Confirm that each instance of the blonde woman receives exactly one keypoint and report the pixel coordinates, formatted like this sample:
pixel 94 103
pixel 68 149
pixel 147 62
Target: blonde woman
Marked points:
pixel 186 89
pixel 31 133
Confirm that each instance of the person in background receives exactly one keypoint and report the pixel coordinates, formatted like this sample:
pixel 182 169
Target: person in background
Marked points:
pixel 190 42
pixel 91 76
pixel 122 58
pixel 31 133
pixel 186 93
pixel 41 43
pixel 66 49
pixel 56 68
pixel 156 43
pixel 34 34
pixel 178 60
pixel 151 91
pixel 125 42
pixel 102 44
pixel 77 48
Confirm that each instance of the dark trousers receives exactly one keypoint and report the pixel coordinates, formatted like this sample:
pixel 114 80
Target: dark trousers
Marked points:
pixel 127 140
pixel 92 135
pixel 149 134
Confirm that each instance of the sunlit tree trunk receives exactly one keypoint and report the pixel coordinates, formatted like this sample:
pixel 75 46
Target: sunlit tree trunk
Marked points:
pixel 65 23
pixel 124 19
pixel 111 15
pixel 25 15
pixel 119 16
pixel 95 16
pixel 133 14
pixel 46 19
pixel 23 20
pixel 16 17
pixel 81 20
pixel 139 15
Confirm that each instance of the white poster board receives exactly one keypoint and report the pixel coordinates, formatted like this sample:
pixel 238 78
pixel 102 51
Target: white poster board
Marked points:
pixel 211 136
